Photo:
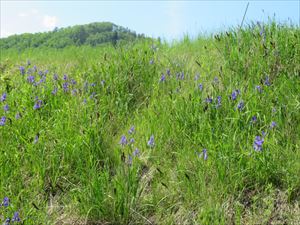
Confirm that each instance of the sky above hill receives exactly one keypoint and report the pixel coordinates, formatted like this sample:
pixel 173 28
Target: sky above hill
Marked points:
pixel 166 19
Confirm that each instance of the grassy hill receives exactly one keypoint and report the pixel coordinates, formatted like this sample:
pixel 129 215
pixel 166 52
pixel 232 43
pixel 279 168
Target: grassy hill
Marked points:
pixel 204 131
pixel 92 34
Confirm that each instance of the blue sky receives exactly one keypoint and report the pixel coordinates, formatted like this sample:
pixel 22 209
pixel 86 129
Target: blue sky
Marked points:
pixel 167 19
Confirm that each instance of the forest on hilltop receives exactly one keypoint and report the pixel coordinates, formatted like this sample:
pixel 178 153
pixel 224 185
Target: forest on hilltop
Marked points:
pixel 92 34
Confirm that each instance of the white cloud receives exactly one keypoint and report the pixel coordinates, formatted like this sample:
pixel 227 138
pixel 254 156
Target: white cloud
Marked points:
pixel 23 14
pixel 50 21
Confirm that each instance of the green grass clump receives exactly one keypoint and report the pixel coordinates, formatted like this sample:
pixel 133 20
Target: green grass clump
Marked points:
pixel 65 161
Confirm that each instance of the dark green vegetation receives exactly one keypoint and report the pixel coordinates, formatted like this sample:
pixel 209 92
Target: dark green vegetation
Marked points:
pixel 91 34
pixel 235 95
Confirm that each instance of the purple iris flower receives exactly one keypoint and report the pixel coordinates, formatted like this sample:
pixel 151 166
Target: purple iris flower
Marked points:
pixel 131 130
pixel 22 70
pixel 267 81
pixel 16 217
pixel 168 72
pixel 258 142
pixel 241 105
pixel 41 73
pixel 55 77
pixel 30 79
pixel 219 98
pixel 6 108
pixel 2 121
pixel 151 62
pixel 54 91
pixel 65 77
pixel 136 152
pixel 66 86
pixel 38 104
pixel 254 119
pixel 163 78
pixel 273 124
pixel 5 202
pixel 204 152
pixel 200 87
pixel 234 94
pixel 3 97
pixel 18 116
pixel 208 100
pixel 150 143
pixel 123 140
pixel 258 88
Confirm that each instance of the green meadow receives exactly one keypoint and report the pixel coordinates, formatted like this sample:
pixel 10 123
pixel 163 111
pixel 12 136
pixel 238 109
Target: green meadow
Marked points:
pixel 200 131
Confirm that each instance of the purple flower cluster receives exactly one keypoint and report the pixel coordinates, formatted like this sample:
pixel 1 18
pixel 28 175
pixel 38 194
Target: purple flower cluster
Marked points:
pixel 2 121
pixel 38 104
pixel 150 143
pixel 3 97
pixel 258 142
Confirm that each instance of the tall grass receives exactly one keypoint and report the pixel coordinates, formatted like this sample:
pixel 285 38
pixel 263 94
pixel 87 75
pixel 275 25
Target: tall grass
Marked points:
pixel 65 162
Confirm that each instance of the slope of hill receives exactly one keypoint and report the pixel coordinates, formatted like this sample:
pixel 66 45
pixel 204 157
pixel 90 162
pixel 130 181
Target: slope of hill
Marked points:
pixel 91 34
pixel 200 132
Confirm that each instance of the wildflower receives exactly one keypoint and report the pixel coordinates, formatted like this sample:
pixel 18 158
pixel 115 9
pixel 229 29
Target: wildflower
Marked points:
pixel 6 108
pixel 46 72
pixel 151 62
pixel 163 78
pixel 93 95
pixel 254 119
pixel 54 91
pixel 200 87
pixel 131 130
pixel 234 94
pixel 73 82
pixel 131 140
pixel 55 77
pixel 136 152
pixel 258 142
pixel 74 92
pixel 263 133
pixel 41 73
pixel 2 121
pixel 18 116
pixel 30 79
pixel 84 101
pixel 208 100
pixel 66 86
pixel 22 70
pixel 5 202
pixel 129 162
pixel 38 104
pixel 16 217
pixel 182 76
pixel 273 124
pixel 258 88
pixel 34 68
pixel 168 72
pixel 36 139
pixel 204 152
pixel 151 142
pixel 65 77
pixel 7 221
pixel 93 84
pixel 219 98
pixel 102 82
pixel 123 140
pixel 216 80
pixel 197 76
pixel 3 97
pixel 267 81
pixel 241 105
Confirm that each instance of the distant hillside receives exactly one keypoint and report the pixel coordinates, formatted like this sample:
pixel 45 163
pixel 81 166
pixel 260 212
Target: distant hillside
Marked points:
pixel 90 34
